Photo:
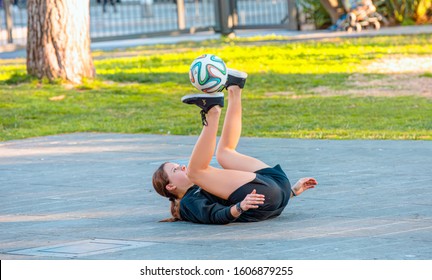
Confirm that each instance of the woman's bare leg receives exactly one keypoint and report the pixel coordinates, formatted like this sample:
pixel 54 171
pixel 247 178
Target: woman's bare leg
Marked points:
pixel 226 153
pixel 219 182
pixel 204 147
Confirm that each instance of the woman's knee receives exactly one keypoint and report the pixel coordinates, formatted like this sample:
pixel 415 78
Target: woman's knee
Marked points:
pixel 223 156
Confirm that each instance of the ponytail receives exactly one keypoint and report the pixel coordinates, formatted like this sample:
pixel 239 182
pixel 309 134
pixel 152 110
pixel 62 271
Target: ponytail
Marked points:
pixel 175 211
pixel 160 180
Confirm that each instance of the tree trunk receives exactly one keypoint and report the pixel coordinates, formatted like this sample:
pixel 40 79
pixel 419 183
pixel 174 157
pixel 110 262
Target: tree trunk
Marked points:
pixel 293 23
pixel 331 6
pixel 58 40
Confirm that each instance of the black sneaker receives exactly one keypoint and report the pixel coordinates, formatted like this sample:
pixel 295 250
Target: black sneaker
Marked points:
pixel 236 77
pixel 205 101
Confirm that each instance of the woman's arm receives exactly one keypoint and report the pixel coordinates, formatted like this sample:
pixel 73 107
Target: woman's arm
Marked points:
pixel 199 209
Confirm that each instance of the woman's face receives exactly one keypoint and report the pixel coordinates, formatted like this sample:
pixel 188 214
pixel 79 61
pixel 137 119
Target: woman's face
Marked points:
pixel 177 174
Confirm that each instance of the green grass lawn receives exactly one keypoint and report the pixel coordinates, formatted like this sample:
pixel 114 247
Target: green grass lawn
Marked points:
pixel 139 91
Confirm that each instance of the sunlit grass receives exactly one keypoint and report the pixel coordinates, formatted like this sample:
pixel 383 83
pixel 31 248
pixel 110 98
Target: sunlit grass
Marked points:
pixel 139 91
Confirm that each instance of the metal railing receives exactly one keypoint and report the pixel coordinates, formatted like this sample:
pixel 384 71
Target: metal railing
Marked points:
pixel 135 18
pixel 117 19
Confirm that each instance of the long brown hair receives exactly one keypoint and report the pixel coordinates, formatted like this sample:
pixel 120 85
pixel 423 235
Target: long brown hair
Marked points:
pixel 160 181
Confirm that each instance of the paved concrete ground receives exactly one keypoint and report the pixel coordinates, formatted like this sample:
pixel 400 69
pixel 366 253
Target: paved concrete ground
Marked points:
pixel 89 196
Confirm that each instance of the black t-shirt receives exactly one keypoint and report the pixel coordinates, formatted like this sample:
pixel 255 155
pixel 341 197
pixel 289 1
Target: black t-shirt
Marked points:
pixel 199 206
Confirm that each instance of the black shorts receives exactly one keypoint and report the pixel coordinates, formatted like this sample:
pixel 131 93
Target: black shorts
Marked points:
pixel 271 182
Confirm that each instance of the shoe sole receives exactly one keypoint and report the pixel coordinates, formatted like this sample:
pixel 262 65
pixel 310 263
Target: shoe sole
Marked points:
pixel 237 74
pixel 192 97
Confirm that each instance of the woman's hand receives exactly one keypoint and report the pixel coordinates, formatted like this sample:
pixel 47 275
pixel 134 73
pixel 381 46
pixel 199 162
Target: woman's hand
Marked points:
pixel 304 184
pixel 252 201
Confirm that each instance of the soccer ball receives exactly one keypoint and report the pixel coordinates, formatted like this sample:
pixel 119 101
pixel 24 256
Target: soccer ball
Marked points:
pixel 208 73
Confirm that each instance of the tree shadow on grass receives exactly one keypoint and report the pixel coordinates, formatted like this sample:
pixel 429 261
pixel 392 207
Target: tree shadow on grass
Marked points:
pixel 18 78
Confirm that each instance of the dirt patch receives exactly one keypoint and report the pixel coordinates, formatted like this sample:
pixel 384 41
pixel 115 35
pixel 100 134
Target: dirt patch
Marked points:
pixel 402 64
pixel 406 76
pixel 393 85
